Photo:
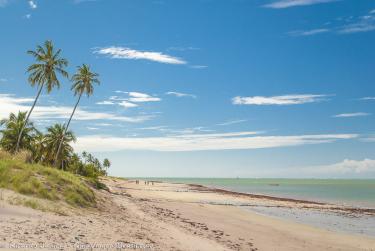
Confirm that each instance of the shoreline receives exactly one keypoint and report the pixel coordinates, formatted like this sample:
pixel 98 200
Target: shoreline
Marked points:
pixel 168 216
pixel 333 206
pixel 212 188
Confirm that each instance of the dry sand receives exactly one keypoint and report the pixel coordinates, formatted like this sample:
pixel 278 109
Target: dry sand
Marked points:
pixel 167 216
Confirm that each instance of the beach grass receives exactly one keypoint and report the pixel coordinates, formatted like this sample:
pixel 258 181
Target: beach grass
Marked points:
pixel 45 182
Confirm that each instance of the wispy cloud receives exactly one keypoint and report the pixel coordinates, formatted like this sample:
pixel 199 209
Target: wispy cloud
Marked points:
pixel 367 98
pixel 202 142
pixel 347 166
pixel 177 48
pixel 308 32
pixel 127 104
pixel 232 122
pixel 293 99
pixel 3 3
pixel 350 25
pixel 10 103
pixel 105 102
pixel 198 66
pixel 362 24
pixel 180 94
pixel 32 4
pixel 127 53
pixel 350 115
pixel 294 3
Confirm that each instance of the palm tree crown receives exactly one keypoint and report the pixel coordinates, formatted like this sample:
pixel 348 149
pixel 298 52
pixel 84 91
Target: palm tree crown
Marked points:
pixel 83 80
pixel 48 64
pixel 56 134
pixel 44 73
pixel 12 128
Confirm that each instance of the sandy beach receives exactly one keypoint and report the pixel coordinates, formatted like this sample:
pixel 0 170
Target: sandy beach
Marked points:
pixel 166 216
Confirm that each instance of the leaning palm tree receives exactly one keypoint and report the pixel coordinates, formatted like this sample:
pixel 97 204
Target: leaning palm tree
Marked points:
pixel 58 136
pixel 83 81
pixel 44 73
pixel 14 126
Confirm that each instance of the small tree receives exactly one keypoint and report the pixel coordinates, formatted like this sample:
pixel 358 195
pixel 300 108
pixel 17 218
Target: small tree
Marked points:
pixel 106 165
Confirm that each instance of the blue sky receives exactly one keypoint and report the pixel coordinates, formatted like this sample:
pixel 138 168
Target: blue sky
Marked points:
pixel 203 88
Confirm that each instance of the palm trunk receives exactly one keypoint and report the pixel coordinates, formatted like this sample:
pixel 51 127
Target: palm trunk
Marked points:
pixel 27 118
pixel 66 129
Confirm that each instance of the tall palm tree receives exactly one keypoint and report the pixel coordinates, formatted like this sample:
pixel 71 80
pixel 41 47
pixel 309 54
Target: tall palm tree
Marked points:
pixel 13 127
pixel 83 81
pixel 44 73
pixel 58 136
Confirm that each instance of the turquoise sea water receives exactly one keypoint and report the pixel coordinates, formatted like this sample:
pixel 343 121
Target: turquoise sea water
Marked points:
pixel 359 193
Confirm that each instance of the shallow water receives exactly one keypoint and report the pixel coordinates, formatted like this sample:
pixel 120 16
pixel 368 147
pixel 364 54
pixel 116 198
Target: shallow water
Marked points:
pixel 361 224
pixel 357 193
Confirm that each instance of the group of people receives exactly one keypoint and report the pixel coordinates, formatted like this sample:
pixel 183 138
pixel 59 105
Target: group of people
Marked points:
pixel 146 182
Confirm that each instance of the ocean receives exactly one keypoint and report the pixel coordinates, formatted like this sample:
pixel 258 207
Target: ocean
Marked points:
pixel 349 192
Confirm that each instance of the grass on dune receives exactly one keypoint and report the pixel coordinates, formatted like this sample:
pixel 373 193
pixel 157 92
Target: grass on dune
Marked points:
pixel 44 182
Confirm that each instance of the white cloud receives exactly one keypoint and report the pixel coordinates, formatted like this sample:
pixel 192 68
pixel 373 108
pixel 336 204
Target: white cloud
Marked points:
pixel 347 166
pixel 28 16
pixel 32 4
pixel 130 100
pixel 201 142
pixel 231 122
pixel 142 97
pixel 293 3
pixel 294 99
pixel 127 53
pixel 9 103
pixel 180 94
pixel 308 32
pixel 127 104
pixel 349 115
pixel 105 102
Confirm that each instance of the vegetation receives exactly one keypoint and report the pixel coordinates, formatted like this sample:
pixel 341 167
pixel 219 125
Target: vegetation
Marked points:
pixel 44 182
pixel 43 73
pixel 83 82
pixel 45 164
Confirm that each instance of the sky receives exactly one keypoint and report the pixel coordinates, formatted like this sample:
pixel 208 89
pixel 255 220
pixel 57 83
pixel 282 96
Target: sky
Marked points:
pixel 206 88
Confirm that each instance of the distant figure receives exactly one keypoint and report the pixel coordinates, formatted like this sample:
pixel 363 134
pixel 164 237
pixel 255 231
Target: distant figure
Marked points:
pixel 152 183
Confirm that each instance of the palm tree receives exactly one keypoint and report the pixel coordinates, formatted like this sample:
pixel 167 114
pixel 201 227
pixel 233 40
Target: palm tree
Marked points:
pixel 39 148
pixel 43 73
pixel 15 126
pixel 83 82
pixel 106 165
pixel 58 136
